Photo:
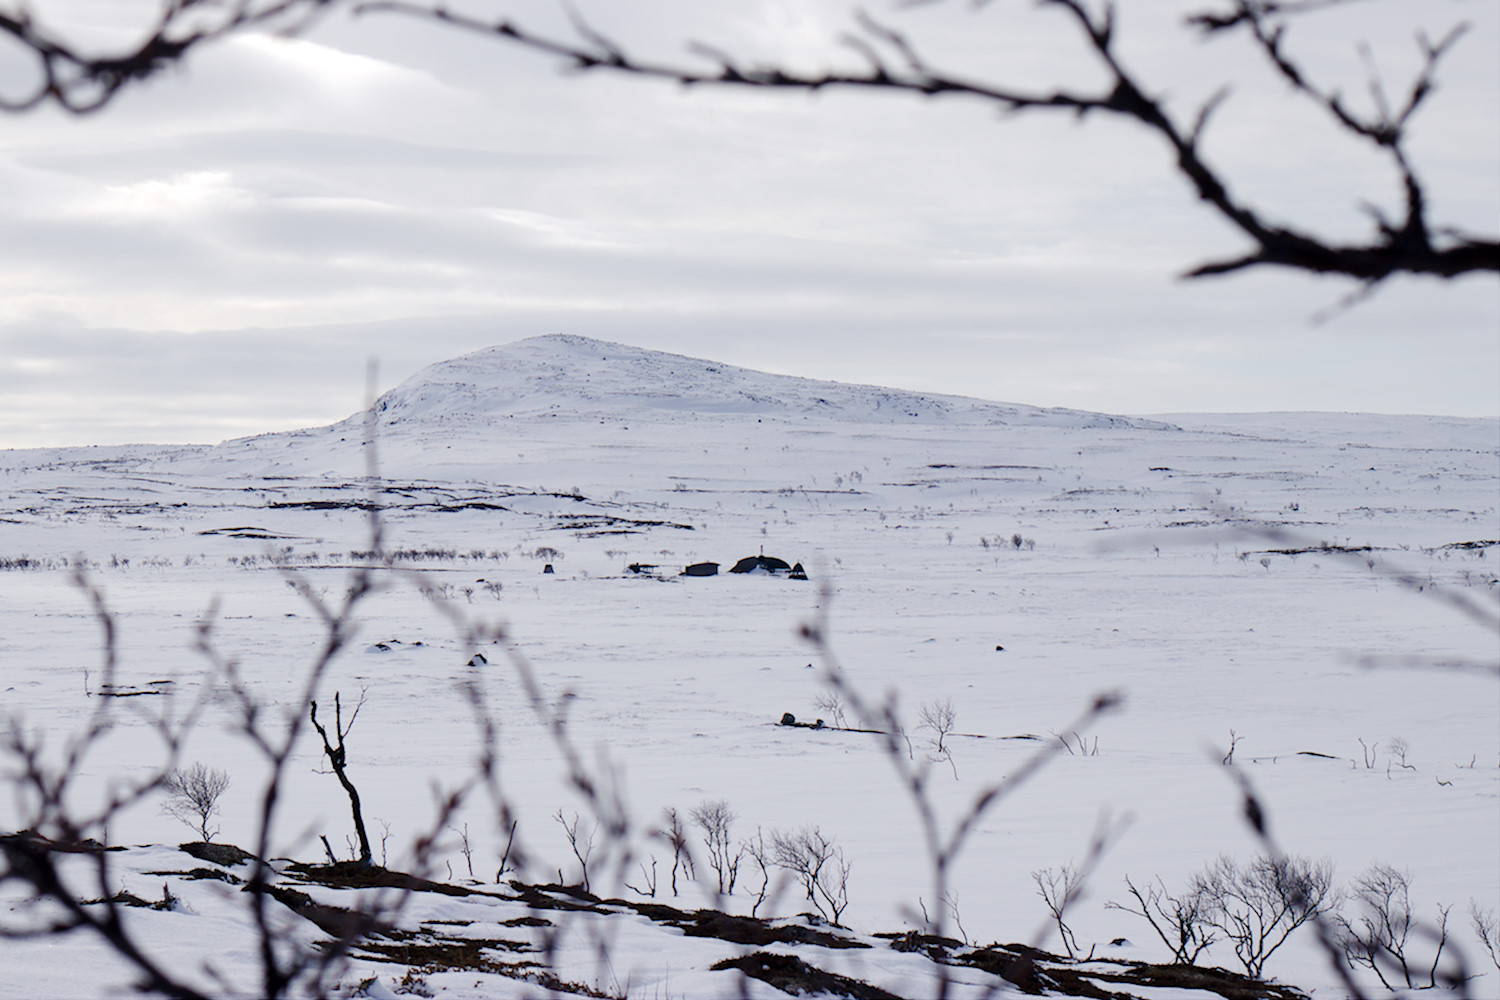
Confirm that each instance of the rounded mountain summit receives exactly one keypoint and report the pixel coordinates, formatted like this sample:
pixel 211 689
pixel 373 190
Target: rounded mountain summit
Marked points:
pixel 581 377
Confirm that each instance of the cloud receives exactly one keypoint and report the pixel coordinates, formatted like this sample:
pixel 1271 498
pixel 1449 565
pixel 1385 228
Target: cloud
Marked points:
pixel 406 179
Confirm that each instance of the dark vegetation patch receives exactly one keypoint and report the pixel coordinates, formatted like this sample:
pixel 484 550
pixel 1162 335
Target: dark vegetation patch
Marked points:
pixel 448 508
pixel 1476 544
pixel 1039 973
pixel 336 921
pixel 1229 985
pixel 790 974
pixel 558 897
pixel 195 874
pixel 439 945
pixel 365 505
pixel 29 842
pixel 354 875
pixel 427 953
pixel 609 524
pixel 220 854
pixel 950 465
pixel 738 930
pixel 696 923
pixel 246 531
pixel 426 948
pixel 780 491
pixel 931 945
pixel 126 898
pixel 1021 965
pixel 124 691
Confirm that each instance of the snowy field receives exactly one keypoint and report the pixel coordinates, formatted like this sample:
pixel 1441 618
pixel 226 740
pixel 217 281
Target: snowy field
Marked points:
pixel 1315 584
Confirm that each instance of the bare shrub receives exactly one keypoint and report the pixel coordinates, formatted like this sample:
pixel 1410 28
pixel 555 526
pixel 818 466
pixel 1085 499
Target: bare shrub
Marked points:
pixel 648 880
pixel 759 851
pixel 832 703
pixel 818 864
pixel 1396 749
pixel 1234 741
pixel 413 984
pixel 938 718
pixel 193 796
pixel 675 834
pixel 464 847
pixel 336 752
pixel 950 904
pixel 1259 905
pixel 581 843
pixel 1184 923
pixel 1378 941
pixel 510 841
pixel 1058 888
pixel 1487 928
pixel 716 820
pixel 1079 746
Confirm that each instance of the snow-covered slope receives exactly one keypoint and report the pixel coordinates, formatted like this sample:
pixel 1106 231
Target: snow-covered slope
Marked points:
pixel 580 376
pixel 584 405
pixel 1237 577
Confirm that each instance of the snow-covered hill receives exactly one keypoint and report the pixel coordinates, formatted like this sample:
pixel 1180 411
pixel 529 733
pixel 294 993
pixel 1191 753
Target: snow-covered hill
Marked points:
pixel 582 377
pixel 488 411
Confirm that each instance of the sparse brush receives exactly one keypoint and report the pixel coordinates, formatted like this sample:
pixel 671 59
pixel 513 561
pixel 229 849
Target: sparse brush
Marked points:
pixel 716 820
pixel 1258 905
pixel 1183 922
pixel 818 864
pixel 832 703
pixel 1487 929
pixel 1058 888
pixel 193 797
pixel 1378 939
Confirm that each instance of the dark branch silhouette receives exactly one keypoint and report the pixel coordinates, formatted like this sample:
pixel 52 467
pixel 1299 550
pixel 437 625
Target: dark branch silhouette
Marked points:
pixel 81 83
pixel 336 754
pixel 1409 245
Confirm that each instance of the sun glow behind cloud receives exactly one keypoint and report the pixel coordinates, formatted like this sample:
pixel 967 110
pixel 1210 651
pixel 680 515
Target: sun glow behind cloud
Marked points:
pixel 170 200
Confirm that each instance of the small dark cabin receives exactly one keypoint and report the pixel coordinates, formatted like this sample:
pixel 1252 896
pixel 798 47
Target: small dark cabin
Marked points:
pixel 761 563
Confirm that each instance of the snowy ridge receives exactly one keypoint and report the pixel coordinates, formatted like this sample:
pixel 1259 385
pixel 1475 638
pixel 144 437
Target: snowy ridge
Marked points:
pixel 594 377
pixel 455 416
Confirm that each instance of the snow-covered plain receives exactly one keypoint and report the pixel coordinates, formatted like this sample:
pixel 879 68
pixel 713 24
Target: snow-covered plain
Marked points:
pixel 1153 561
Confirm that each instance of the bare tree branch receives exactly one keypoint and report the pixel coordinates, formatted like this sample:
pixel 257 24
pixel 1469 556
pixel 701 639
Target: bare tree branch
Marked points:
pixel 81 83
pixel 1395 248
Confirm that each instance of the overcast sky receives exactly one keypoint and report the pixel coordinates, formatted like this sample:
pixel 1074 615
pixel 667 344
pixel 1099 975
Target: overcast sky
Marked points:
pixel 220 251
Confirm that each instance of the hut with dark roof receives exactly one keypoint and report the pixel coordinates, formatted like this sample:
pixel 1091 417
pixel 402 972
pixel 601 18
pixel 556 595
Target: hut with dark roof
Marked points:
pixel 761 564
